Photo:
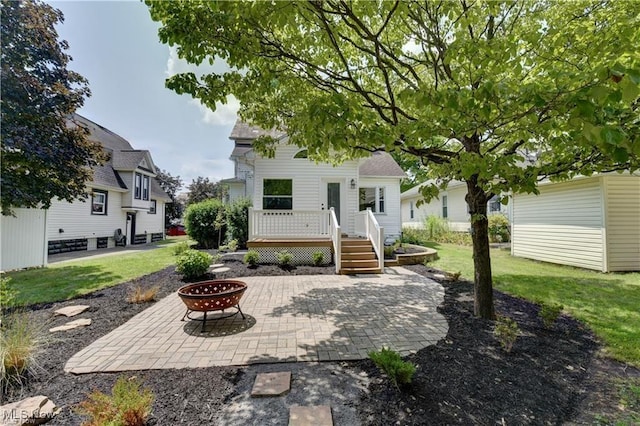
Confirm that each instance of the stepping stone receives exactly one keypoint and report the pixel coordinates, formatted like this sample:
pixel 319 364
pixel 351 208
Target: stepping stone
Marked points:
pixel 319 415
pixel 71 311
pixel 220 270
pixel 82 322
pixel 35 410
pixel 216 265
pixel 271 384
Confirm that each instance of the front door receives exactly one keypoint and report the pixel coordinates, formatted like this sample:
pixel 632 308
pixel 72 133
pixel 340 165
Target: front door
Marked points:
pixel 131 227
pixel 333 197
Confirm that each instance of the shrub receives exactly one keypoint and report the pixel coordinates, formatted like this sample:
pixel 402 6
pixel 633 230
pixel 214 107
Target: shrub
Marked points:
pixel 233 245
pixel 193 263
pixel 203 222
pixel 284 258
pixel 180 248
pixel 506 331
pixel 128 405
pixel 436 227
pixel 389 361
pixel 424 236
pixel 238 221
pixel 140 295
pixel 318 258
pixel 388 251
pixel 498 228
pixel 7 293
pixel 251 258
pixel 549 313
pixel 21 339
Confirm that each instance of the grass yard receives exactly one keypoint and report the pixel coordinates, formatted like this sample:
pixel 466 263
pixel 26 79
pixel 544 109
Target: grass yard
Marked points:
pixel 62 281
pixel 608 303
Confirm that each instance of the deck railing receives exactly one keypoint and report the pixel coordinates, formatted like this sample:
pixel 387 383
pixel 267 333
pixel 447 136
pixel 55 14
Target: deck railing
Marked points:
pixel 289 224
pixel 336 239
pixel 367 226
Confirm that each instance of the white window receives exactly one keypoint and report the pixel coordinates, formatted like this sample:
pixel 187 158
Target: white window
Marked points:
pixel 277 194
pixel 372 198
pixel 99 202
pixel 137 194
pixel 153 206
pixel 145 187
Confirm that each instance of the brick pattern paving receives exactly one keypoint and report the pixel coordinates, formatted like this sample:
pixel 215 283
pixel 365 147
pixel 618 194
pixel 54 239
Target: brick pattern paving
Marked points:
pixel 289 318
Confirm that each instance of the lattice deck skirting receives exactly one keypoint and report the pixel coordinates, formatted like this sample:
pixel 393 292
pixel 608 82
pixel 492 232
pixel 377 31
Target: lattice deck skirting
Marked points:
pixel 301 255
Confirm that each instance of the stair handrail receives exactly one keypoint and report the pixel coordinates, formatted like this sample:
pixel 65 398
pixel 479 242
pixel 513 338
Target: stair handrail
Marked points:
pixel 375 234
pixel 336 238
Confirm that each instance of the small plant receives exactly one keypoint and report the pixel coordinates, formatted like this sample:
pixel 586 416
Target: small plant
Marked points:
pixel 390 361
pixel 453 276
pixel 223 249
pixel 506 331
pixel 7 293
pixel 141 295
pixel 180 248
pixel 233 245
pixel 549 313
pixel 251 258
pixel 498 228
pixel 388 251
pixel 21 339
pixel 318 258
pixel 128 405
pixel 284 258
pixel 193 263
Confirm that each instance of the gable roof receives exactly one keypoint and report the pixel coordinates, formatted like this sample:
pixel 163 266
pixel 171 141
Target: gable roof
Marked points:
pixel 381 164
pixel 246 132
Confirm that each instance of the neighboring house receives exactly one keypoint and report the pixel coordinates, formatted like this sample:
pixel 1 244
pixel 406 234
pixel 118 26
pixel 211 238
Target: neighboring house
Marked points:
pixel 305 206
pixel 589 222
pixel 123 194
pixel 450 205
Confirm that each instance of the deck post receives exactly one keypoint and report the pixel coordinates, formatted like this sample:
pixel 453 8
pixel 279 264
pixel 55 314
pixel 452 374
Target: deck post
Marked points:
pixel 251 236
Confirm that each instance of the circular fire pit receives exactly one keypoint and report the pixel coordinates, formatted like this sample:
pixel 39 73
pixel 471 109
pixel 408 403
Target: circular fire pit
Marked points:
pixel 213 295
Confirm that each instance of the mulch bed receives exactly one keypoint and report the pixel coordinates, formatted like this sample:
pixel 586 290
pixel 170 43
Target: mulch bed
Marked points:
pixel 464 379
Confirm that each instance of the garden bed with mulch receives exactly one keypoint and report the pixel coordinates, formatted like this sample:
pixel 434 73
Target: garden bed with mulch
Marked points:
pixel 550 377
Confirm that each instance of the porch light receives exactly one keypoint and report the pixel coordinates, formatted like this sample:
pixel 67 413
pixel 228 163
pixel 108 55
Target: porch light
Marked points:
pixel 353 184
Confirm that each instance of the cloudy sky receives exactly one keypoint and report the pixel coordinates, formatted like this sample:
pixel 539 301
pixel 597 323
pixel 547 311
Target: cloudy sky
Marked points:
pixel 114 45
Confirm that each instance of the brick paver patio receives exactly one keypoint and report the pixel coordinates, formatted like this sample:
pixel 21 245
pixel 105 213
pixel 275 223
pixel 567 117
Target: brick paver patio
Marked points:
pixel 288 319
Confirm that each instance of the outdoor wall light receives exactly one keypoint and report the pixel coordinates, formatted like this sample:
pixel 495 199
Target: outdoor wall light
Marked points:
pixel 353 184
pixel 60 230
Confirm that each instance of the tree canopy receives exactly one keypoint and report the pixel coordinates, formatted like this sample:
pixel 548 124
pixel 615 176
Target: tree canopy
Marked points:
pixel 171 185
pixel 498 94
pixel 201 189
pixel 43 154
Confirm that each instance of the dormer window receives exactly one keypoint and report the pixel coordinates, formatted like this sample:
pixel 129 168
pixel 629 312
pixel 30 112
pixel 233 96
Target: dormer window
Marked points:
pixel 137 194
pixel 145 188
pixel 303 153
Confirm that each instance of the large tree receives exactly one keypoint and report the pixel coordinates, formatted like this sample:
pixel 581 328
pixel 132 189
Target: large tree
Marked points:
pixel 43 154
pixel 497 94
pixel 201 189
pixel 171 185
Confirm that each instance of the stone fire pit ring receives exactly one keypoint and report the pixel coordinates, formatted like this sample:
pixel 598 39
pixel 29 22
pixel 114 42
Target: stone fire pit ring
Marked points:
pixel 212 295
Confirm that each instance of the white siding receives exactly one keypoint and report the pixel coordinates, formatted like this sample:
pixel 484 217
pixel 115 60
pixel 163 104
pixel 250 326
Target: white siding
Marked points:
pixel 623 222
pixel 309 180
pixel 23 239
pixel 390 219
pixel 564 224
pixel 151 223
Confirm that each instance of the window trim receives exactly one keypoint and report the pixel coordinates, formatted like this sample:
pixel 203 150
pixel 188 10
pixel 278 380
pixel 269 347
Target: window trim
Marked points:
pixel 265 196
pixel 379 205
pixel 137 185
pixel 104 204
pixel 153 207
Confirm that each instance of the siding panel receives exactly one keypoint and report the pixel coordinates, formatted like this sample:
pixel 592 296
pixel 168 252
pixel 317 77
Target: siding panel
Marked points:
pixel 623 222
pixel 23 239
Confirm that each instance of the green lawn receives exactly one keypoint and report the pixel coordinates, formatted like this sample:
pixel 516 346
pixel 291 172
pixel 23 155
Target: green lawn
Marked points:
pixel 608 303
pixel 62 281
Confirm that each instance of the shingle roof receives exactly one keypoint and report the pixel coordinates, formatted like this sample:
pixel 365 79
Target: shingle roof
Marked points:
pixel 381 164
pixel 240 150
pixel 102 135
pixel 127 159
pixel 157 192
pixel 105 175
pixel 244 131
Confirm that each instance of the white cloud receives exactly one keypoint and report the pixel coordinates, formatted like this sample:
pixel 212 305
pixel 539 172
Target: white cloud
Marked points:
pixel 175 65
pixel 224 115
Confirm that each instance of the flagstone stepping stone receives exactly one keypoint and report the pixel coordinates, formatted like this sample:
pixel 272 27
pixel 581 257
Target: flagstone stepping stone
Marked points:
pixel 319 415
pixel 82 322
pixel 272 384
pixel 35 410
pixel 71 311
pixel 216 265
pixel 221 270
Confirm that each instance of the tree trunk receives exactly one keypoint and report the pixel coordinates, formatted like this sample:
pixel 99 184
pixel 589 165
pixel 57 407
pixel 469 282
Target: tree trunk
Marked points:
pixel 483 283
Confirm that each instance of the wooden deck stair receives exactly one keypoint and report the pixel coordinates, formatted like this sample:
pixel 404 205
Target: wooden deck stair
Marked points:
pixel 358 257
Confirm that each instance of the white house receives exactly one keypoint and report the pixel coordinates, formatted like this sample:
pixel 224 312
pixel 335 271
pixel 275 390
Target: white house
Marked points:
pixel 123 194
pixel 450 204
pixel 589 222
pixel 298 202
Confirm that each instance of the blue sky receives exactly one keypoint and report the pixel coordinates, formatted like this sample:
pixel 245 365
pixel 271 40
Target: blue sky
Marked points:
pixel 115 46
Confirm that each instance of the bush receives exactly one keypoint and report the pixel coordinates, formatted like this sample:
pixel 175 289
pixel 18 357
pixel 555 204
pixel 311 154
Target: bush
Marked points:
pixel 422 237
pixel 21 339
pixel 7 293
pixel 506 331
pixel 251 258
pixel 389 361
pixel 128 405
pixel 549 313
pixel 284 258
pixel 193 263
pixel 180 248
pixel 238 221
pixel 140 295
pixel 436 227
pixel 233 245
pixel 318 258
pixel 499 228
pixel 389 251
pixel 204 223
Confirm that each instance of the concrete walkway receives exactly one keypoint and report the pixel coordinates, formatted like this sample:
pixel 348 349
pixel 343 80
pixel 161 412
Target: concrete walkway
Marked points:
pixel 288 319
